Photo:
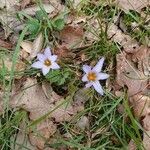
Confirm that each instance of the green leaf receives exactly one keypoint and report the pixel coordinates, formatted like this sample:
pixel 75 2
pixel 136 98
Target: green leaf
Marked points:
pixel 34 26
pixel 58 24
pixel 39 15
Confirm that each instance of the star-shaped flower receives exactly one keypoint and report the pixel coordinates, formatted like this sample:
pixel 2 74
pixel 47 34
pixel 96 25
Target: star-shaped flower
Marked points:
pixel 46 61
pixel 93 75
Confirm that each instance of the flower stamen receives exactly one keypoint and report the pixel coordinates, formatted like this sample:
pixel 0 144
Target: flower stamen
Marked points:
pixel 47 62
pixel 91 76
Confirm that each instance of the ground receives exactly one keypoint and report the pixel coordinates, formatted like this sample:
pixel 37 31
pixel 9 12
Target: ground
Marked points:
pixel 54 110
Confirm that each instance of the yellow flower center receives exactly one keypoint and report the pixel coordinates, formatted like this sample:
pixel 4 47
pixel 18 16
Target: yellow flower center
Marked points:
pixel 47 62
pixel 91 76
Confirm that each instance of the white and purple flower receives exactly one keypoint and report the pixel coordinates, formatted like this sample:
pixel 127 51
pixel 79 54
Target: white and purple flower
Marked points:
pixel 46 61
pixel 93 75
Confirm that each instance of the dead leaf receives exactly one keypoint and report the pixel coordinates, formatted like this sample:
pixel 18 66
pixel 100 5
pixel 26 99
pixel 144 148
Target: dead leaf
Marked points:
pixel 140 104
pixel 135 5
pixel 115 34
pixel 21 139
pixel 37 45
pixel 45 130
pixel 24 3
pixel 83 123
pixel 63 52
pixel 5 44
pixel 128 75
pixel 50 94
pixel 142 58
pixel 49 8
pixel 146 121
pixel 31 49
pixel 37 102
pixel 132 145
pixel 20 66
pixel 8 15
pixel 27 46
pixel 146 140
pixel 72 36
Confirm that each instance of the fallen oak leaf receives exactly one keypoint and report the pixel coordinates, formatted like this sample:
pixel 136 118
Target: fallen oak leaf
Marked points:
pixel 128 75
pixel 72 36
pixel 114 33
pixel 37 45
pixel 45 130
pixel 135 5
pixel 24 3
pixel 142 58
pixel 146 140
pixel 32 48
pixel 140 104
pixel 63 52
pixel 32 99
pixel 5 44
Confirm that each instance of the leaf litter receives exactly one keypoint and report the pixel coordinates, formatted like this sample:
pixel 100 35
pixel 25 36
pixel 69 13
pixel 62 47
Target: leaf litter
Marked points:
pixel 132 71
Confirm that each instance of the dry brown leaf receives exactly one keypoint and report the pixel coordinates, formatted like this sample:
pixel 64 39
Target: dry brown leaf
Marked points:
pixel 72 36
pixel 50 94
pixel 37 102
pixel 21 139
pixel 8 15
pixel 146 140
pixel 31 49
pixel 146 121
pixel 5 44
pixel 49 8
pixel 140 104
pixel 115 34
pixel 27 46
pixel 83 123
pixel 20 66
pixel 45 130
pixel 142 58
pixel 63 52
pixel 128 75
pixel 32 99
pixel 24 3
pixel 37 45
pixel 132 145
pixel 135 5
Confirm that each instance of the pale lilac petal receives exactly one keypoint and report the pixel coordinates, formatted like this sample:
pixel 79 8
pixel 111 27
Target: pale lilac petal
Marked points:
pixel 102 76
pixel 88 85
pixel 41 57
pixel 99 65
pixel 55 65
pixel 86 68
pixel 53 58
pixel 47 52
pixel 84 78
pixel 37 65
pixel 45 70
pixel 98 87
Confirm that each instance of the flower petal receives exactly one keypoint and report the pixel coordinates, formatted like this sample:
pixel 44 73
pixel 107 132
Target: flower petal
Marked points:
pixel 98 87
pixel 45 70
pixel 53 58
pixel 86 68
pixel 47 52
pixel 99 65
pixel 37 65
pixel 88 85
pixel 102 76
pixel 55 65
pixel 41 57
pixel 84 78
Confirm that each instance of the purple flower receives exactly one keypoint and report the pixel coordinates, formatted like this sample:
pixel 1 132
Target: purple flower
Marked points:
pixel 93 75
pixel 46 61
